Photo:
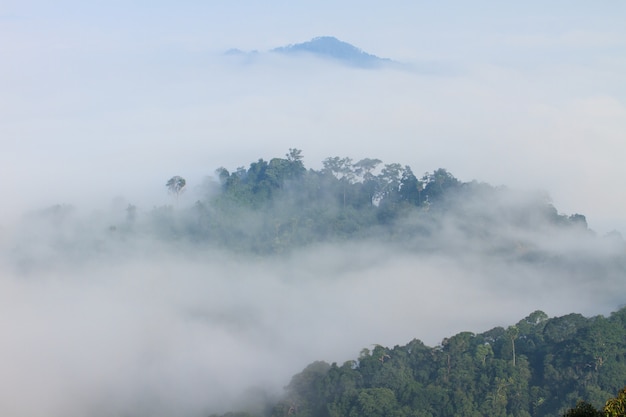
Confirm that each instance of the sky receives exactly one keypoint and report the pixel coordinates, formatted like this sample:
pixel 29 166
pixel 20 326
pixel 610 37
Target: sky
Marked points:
pixel 103 101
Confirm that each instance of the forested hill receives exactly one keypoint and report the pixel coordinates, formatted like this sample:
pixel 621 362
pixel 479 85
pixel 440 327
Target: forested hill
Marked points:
pixel 276 206
pixel 273 206
pixel 538 367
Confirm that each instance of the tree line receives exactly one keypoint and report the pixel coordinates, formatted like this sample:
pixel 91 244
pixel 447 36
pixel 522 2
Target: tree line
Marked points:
pixel 568 366
pixel 276 205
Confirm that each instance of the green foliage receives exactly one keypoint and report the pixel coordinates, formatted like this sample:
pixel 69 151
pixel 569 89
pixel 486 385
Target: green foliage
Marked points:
pixel 473 375
pixel 467 375
pixel 616 407
pixel 277 206
pixel 274 206
pixel 583 409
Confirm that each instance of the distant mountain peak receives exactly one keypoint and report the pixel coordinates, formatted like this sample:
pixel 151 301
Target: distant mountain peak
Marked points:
pixel 333 48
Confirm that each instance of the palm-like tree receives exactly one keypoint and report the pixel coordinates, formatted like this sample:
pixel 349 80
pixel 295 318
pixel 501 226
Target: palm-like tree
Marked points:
pixel 176 185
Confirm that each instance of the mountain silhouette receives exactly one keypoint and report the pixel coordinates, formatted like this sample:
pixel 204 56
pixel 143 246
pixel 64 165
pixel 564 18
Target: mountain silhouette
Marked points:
pixel 332 48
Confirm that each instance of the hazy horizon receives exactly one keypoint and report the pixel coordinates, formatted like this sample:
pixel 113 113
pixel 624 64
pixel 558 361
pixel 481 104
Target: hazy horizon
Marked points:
pixel 115 98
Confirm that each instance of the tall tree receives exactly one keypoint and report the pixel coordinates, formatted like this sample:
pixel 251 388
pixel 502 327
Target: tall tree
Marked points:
pixel 342 169
pixel 176 185
pixel 512 332
pixel 389 178
pixel 296 166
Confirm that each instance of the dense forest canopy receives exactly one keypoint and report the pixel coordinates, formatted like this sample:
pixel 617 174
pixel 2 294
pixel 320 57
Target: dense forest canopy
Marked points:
pixel 538 367
pixel 275 206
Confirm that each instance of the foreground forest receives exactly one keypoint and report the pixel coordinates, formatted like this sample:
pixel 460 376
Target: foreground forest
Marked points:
pixel 538 367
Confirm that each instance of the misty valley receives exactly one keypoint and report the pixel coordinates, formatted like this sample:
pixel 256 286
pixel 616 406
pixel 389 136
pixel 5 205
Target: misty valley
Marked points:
pixel 255 299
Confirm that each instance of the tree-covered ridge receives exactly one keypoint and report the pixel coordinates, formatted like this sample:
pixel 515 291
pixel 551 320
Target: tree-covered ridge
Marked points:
pixel 538 367
pixel 276 205
pixel 333 48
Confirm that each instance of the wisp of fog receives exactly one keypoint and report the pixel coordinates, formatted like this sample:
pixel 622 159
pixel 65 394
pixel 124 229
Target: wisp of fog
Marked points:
pixel 98 324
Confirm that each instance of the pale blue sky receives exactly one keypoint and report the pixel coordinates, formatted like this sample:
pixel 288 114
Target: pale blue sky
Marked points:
pixel 530 94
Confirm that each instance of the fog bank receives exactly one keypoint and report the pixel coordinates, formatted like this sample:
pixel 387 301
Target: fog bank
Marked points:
pixel 145 327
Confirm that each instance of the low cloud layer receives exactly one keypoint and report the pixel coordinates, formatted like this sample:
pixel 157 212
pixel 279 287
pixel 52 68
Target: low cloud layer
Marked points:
pixel 98 325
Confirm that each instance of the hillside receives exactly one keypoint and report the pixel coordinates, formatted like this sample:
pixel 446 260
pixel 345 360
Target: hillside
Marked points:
pixel 332 48
pixel 538 367
pixel 278 206
pixel 322 47
pixel 285 205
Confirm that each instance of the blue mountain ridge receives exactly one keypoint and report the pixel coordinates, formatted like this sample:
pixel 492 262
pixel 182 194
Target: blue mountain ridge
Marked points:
pixel 333 48
pixel 327 47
